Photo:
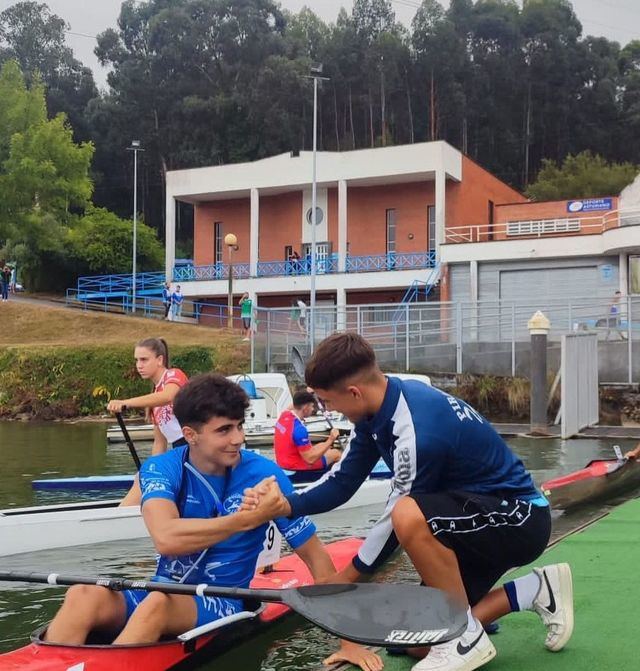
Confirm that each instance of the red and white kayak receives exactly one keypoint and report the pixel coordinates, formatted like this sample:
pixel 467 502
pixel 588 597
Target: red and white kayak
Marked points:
pixel 190 649
pixel 600 479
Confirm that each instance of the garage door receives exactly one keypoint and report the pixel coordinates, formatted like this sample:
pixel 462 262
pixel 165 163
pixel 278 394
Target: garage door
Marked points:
pixel 527 286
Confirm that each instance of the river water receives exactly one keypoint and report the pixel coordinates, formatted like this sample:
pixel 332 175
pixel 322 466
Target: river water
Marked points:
pixel 29 451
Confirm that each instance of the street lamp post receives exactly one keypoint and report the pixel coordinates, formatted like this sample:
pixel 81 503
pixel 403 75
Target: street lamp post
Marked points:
pixel 316 72
pixel 232 244
pixel 135 148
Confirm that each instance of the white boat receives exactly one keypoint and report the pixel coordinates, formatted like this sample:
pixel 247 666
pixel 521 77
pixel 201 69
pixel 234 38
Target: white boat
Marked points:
pixel 68 525
pixel 269 395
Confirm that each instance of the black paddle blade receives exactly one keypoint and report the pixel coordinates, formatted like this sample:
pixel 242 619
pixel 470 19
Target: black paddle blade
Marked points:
pixel 381 615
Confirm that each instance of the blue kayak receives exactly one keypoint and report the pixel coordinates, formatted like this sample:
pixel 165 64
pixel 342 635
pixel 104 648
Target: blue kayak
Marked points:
pixel 123 482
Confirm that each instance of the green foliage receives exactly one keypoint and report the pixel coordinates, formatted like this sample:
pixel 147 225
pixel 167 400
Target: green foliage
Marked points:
pixel 101 243
pixel 581 176
pixel 50 383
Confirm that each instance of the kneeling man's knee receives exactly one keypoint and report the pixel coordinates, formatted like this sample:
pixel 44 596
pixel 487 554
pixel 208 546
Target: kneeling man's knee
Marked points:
pixel 407 519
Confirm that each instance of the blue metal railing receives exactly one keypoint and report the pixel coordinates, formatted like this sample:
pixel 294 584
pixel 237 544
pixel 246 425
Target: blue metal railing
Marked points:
pixel 414 291
pixel 97 286
pixel 217 271
pixel 328 265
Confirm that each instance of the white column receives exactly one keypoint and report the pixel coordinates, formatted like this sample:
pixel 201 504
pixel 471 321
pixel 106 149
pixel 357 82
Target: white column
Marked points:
pixel 473 280
pixel 342 226
pixel 254 235
pixel 341 309
pixel 170 236
pixel 440 206
pixel 623 274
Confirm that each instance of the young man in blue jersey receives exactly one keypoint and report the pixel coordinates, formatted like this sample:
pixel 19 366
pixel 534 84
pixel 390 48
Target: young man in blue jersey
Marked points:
pixel 190 503
pixel 462 505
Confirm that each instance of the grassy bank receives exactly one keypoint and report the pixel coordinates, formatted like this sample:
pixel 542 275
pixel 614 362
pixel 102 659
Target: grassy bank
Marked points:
pixel 62 363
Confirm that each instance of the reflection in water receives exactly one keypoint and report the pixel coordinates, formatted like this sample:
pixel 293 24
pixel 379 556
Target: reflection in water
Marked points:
pixel 29 451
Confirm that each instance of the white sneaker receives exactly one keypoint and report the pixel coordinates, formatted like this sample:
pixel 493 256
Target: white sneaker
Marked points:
pixel 467 652
pixel 554 604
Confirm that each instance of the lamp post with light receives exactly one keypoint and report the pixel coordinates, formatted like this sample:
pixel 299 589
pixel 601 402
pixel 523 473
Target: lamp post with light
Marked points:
pixel 316 72
pixel 135 148
pixel 232 245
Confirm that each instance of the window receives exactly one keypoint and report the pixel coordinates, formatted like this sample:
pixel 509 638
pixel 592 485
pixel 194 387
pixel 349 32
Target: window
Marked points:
pixel 288 251
pixel 217 242
pixel 391 231
pixel 431 223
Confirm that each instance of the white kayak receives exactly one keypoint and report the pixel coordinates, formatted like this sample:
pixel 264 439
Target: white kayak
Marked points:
pixel 67 525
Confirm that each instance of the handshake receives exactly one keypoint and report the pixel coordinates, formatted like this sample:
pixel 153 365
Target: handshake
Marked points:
pixel 265 500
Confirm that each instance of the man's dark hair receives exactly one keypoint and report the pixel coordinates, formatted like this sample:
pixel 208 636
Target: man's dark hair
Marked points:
pixel 302 397
pixel 338 357
pixel 207 396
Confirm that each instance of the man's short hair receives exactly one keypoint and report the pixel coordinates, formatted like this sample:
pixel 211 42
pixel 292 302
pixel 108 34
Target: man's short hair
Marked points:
pixel 337 358
pixel 302 397
pixel 207 396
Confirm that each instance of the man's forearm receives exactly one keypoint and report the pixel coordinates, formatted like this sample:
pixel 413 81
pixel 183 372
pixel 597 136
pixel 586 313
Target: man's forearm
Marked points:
pixel 314 453
pixel 184 536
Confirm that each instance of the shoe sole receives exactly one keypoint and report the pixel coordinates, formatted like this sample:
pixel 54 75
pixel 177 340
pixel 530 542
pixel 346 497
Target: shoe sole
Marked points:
pixel 566 599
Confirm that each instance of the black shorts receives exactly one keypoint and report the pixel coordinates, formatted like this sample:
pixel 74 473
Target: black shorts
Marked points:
pixel 246 322
pixel 489 534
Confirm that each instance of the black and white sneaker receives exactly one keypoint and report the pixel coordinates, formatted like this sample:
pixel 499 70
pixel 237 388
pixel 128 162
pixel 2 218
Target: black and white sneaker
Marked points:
pixel 554 604
pixel 470 651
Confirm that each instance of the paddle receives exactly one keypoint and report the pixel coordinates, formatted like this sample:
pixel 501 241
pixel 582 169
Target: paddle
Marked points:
pixel 373 614
pixel 127 437
pixel 298 365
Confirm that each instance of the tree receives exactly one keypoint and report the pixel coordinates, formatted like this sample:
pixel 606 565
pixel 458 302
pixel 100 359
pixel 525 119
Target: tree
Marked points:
pixel 582 176
pixel 101 242
pixel 34 37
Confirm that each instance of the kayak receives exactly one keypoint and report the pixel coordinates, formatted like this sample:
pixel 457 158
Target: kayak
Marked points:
pixel 124 482
pixel 601 478
pixel 73 524
pixel 187 650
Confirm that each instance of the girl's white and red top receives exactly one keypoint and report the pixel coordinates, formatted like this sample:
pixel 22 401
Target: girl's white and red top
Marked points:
pixel 162 415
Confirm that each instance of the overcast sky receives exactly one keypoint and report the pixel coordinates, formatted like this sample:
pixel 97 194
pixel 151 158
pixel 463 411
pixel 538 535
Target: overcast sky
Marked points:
pixel 615 19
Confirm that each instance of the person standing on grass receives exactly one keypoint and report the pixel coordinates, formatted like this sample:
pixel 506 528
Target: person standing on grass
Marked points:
pixel 302 315
pixel 462 505
pixel 166 299
pixel 246 314
pixel 152 363
pixel 5 281
pixel 176 303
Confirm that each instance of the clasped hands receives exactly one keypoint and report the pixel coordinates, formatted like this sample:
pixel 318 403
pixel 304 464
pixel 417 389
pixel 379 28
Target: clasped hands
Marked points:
pixel 266 500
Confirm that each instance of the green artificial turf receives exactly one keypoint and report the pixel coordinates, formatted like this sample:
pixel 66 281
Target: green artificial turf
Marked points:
pixel 605 561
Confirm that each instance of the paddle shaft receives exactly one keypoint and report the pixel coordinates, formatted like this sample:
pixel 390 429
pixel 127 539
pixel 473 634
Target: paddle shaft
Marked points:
pixel 127 437
pixel 298 366
pixel 119 584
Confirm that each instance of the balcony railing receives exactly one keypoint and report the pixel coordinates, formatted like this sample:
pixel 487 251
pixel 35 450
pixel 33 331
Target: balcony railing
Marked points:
pixel 329 265
pixel 217 271
pixel 537 228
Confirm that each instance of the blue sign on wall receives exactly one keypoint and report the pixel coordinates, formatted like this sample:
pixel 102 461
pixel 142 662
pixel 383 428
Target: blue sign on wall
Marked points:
pixel 606 271
pixel 589 205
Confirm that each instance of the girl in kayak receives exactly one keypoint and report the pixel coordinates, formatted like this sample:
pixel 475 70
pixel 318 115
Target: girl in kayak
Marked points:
pixel 152 363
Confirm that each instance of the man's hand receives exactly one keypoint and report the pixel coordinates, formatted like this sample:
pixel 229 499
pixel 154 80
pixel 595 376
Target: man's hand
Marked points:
pixel 116 406
pixel 270 502
pixel 355 654
pixel 334 434
pixel 633 454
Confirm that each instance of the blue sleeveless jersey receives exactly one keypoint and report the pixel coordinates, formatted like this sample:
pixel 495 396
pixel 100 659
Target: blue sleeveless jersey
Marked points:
pixel 232 562
pixel 432 442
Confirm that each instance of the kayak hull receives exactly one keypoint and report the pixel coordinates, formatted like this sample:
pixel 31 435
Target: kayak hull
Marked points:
pixel 600 479
pixel 173 655
pixel 75 524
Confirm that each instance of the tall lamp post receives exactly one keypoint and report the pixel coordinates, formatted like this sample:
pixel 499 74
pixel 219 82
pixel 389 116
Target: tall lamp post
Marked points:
pixel 135 148
pixel 232 244
pixel 316 75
